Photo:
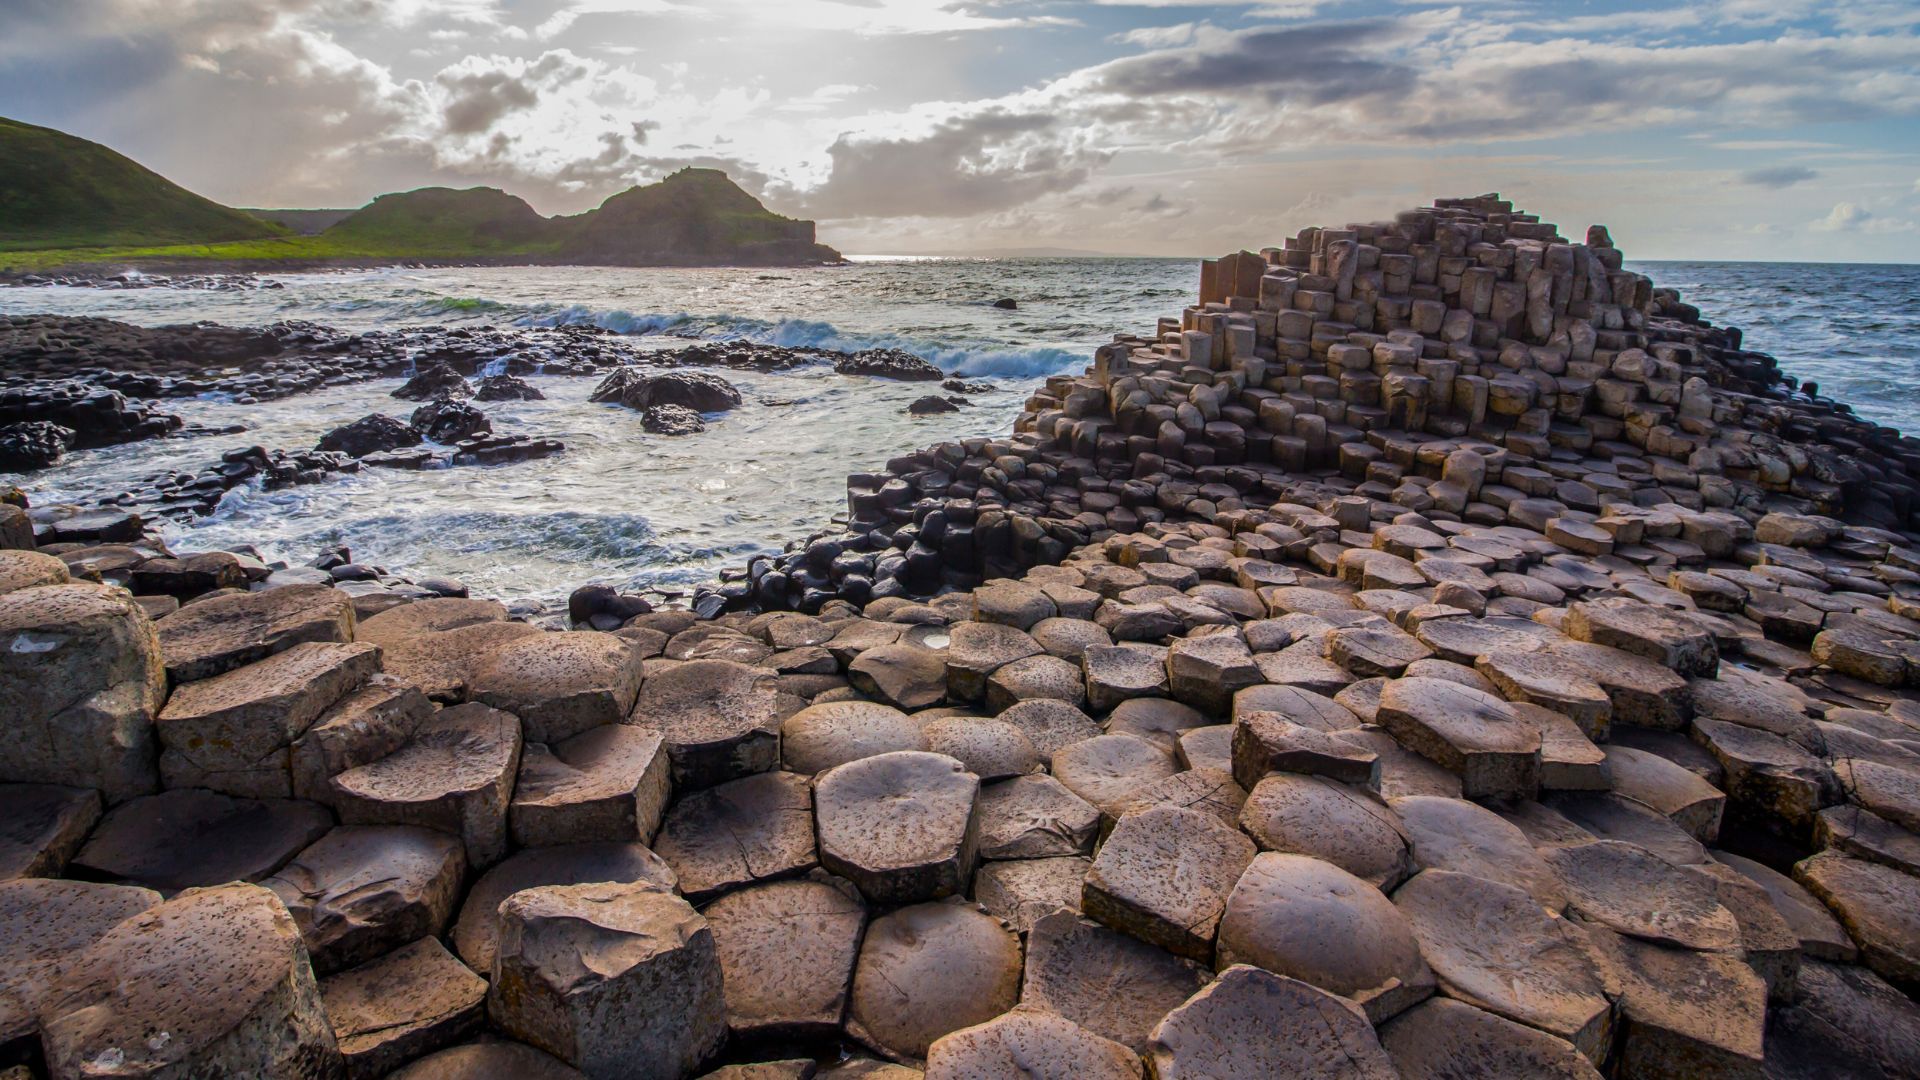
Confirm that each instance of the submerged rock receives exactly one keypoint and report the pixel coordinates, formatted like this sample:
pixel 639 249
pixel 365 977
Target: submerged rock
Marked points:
pixel 369 435
pixel 888 364
pixel 507 388
pixel 696 390
pixel 672 420
pixel 438 381
pixel 447 421
pixel 931 404
pixel 33 444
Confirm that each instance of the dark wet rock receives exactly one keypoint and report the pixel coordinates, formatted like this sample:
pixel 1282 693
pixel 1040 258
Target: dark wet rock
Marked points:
pixel 33 444
pixel 445 420
pixel 888 364
pixel 504 449
pixel 507 388
pixel 41 826
pixel 931 404
pixel 369 435
pixel 697 390
pixel 962 386
pixel 672 420
pixel 438 381
pixel 189 839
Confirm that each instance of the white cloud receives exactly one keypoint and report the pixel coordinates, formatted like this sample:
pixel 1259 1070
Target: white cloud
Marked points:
pixel 1844 217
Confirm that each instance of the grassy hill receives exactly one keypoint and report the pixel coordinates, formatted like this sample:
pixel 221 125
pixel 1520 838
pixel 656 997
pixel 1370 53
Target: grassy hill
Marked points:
pixel 59 191
pixel 70 205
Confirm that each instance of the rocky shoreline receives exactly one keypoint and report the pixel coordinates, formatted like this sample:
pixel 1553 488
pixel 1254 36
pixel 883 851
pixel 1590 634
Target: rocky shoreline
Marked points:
pixel 1438 652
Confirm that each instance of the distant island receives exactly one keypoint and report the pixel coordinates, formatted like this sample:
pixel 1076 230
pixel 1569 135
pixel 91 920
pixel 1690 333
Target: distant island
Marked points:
pixel 68 205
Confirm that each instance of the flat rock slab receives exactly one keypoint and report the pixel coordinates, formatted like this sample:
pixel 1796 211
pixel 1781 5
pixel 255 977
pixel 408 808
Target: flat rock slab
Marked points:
pixel 1639 894
pixel 1034 817
pixel 1110 770
pixel 1552 682
pixel 1688 801
pixel 927 970
pixel 1440 1039
pixel 1030 1043
pixel 573 960
pixel 361 891
pixel 1468 732
pixel 1862 834
pixel 429 616
pixel 1642 692
pixel 186 839
pixel 1684 1013
pixel 221 633
pixel 410 1002
pixel 904 675
pixel 82 679
pixel 231 733
pixel 1466 838
pixel 819 737
pixel 1605 815
pixel 1846 1022
pixel 455 775
pixel 1204 672
pixel 787 950
pixel 1050 725
pixel 1252 1022
pixel 1768 778
pixel 43 922
pixel 1878 905
pixel 489 1061
pixel 720 720
pixel 975 650
pixel 900 826
pixel 1021 892
pixel 1493 946
pixel 1647 631
pixel 440 663
pixel 1345 825
pixel 1887 790
pixel 606 783
pixel 1819 933
pixel 990 749
pixel 1310 920
pixel 1157 720
pixel 1111 983
pixel 237 997
pixel 1268 743
pixel 1119 673
pixel 1164 875
pixel 559 684
pixel 476 933
pixel 41 826
pixel 360 729
pixel 1207 790
pixel 1035 677
pixel 747 830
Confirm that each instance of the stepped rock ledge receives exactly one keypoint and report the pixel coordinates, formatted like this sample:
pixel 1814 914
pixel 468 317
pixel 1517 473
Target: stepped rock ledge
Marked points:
pixel 1435 652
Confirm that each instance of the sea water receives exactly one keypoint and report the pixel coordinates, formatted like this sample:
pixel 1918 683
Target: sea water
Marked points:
pixel 635 510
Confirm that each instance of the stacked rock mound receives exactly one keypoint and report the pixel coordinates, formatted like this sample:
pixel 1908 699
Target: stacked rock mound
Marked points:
pixel 1367 356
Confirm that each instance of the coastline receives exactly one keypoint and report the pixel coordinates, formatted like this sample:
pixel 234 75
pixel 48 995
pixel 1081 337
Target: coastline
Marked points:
pixel 1596 636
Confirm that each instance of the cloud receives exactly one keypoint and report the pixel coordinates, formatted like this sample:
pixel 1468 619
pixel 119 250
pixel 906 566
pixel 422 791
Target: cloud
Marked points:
pixel 1313 65
pixel 1844 217
pixel 1779 176
pixel 968 164
pixel 1156 37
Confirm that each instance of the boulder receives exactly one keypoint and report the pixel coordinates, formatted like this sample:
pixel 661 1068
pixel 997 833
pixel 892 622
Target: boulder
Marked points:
pixel 27 569
pixel 1029 1043
pixel 476 933
pixel 190 839
pixel 671 420
pixel 903 675
pixel 929 969
pixel 752 829
pixel 1460 836
pixel 41 826
pixel 1268 742
pixel 1308 919
pixel 1690 802
pixel 440 663
pixel 1164 875
pixel 1342 824
pixel 559 685
pixel 820 737
pixel 436 381
pixel 1472 734
pixel 1493 946
pixel 233 733
pixel 574 959
pixel 1035 677
pixel 1157 720
pixel 368 435
pixel 412 1001
pixel 787 950
pixel 1113 984
pixel 447 421
pixel 606 783
pixel 454 775
pixel 720 720
pixel 82 679
pixel 1252 1022
pixel 41 923
pixel 358 892
pixel 697 390
pixel 1553 682
pixel 507 388
pixel 900 826
pixel 237 997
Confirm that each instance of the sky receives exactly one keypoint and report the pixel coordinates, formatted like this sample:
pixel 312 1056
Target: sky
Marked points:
pixel 1716 129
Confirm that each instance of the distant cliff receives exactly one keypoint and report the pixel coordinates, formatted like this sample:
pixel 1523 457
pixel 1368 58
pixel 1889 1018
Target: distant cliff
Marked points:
pixel 70 205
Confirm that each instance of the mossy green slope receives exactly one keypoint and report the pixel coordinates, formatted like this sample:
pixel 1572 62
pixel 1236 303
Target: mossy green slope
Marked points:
pixel 59 191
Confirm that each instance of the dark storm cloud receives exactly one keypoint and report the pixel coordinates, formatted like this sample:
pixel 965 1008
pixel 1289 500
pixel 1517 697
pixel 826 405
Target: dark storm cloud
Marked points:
pixel 1780 176
pixel 970 164
pixel 1314 65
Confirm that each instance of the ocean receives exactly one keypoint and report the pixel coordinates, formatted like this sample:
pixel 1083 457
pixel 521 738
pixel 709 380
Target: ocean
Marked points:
pixel 636 510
